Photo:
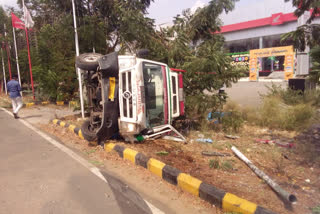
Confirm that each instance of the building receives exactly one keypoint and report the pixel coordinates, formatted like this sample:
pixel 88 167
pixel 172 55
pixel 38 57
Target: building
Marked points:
pixel 260 25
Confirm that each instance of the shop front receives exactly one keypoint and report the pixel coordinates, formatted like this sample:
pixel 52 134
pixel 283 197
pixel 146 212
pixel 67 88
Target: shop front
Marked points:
pixel 279 58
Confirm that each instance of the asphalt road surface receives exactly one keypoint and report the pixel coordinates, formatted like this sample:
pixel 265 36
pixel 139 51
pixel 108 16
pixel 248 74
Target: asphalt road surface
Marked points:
pixel 38 177
pixel 249 93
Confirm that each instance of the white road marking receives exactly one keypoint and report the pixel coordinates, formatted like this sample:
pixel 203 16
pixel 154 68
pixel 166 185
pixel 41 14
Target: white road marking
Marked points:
pixel 76 157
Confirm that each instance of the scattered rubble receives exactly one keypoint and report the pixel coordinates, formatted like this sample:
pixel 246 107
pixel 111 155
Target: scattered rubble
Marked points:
pixel 232 137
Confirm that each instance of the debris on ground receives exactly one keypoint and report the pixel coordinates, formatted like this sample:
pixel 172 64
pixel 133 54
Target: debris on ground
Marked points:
pixel 232 137
pixel 277 142
pixel 207 153
pixel 173 138
pixel 162 153
pixel 290 167
pixel 281 192
pixel 204 140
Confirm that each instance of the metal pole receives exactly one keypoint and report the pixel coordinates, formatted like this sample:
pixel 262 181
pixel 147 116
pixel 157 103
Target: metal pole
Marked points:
pixel 281 192
pixel 8 51
pixel 17 58
pixel 30 66
pixel 4 73
pixel 77 54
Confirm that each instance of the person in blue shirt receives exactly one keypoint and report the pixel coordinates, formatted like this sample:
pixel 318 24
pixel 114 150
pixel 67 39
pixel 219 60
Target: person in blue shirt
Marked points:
pixel 14 89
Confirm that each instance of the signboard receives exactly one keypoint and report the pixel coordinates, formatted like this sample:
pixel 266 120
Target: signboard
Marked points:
pixel 288 66
pixel 240 59
pixel 256 54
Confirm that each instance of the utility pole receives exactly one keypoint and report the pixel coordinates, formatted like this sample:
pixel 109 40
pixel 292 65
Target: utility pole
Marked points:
pixel 17 58
pixel 77 54
pixel 4 73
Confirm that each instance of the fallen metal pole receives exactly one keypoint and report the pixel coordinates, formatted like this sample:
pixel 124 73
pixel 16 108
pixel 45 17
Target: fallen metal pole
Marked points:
pixel 281 192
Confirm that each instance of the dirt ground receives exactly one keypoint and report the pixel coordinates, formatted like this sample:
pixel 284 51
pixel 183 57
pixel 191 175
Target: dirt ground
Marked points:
pixel 295 169
pixel 163 195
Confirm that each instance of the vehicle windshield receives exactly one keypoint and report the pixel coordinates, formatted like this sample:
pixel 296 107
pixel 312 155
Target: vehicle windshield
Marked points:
pixel 154 94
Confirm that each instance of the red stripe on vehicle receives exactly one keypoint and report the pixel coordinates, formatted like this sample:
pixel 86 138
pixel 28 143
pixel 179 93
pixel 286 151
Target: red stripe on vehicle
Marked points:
pixel 181 100
pixel 165 89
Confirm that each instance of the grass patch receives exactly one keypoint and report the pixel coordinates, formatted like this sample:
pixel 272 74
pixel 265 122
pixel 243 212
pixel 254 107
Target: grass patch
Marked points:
pixel 98 163
pixel 162 153
pixel 316 210
pixel 282 109
pixel 91 151
pixel 225 165
pixel 214 164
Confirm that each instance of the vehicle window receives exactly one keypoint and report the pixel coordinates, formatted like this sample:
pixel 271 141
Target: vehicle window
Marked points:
pixel 154 94
pixel 174 94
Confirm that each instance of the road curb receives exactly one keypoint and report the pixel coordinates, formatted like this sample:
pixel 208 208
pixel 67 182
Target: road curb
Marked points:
pixel 225 200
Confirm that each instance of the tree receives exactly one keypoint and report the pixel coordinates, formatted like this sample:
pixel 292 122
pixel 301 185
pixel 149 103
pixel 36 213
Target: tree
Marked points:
pixel 193 45
pixel 308 34
pixel 104 25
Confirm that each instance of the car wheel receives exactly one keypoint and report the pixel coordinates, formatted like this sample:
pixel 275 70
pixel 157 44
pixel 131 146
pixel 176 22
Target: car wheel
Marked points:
pixel 88 132
pixel 88 61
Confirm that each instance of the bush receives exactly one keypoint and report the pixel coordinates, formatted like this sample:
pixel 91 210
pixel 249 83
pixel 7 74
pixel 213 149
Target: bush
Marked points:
pixel 276 114
pixel 294 97
pixel 233 119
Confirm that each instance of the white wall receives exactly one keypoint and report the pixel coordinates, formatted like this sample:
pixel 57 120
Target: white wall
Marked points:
pixel 246 10
pixel 261 31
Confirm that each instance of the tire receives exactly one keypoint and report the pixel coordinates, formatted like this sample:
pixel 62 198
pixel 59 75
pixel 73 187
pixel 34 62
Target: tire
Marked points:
pixel 88 61
pixel 87 132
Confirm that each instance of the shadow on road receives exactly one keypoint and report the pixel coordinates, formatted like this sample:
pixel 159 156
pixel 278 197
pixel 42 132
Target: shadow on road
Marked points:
pixel 127 198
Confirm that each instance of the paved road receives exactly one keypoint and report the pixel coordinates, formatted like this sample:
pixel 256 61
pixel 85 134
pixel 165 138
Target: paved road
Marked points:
pixel 249 93
pixel 37 177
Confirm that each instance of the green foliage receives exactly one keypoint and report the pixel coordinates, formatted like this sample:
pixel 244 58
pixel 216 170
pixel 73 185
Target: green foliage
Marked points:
pixel 162 153
pixel 294 97
pixel 232 122
pixel 285 109
pixel 305 5
pixel 316 210
pixel 225 165
pixel 309 33
pixel 193 47
pixel 106 26
pixel 275 114
pixel 315 69
pixel 214 164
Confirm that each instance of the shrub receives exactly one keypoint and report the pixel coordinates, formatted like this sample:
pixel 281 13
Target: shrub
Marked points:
pixel 233 119
pixel 276 114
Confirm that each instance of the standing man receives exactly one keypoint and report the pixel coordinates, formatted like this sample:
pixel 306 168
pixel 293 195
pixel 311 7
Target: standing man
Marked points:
pixel 14 89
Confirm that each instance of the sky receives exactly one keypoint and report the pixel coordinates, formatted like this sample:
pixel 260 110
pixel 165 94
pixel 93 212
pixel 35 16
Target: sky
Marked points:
pixel 163 11
pixel 10 3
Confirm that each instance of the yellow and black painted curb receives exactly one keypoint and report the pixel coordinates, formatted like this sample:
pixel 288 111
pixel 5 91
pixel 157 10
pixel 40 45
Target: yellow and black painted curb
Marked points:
pixel 58 103
pixel 225 200
pixel 72 128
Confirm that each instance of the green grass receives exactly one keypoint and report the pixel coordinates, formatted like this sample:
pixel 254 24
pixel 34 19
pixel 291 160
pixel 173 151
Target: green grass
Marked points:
pixel 316 210
pixel 162 153
pixel 225 165
pixel 91 151
pixel 98 163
